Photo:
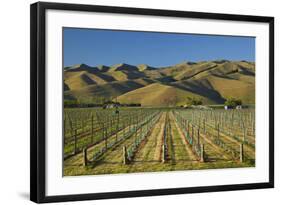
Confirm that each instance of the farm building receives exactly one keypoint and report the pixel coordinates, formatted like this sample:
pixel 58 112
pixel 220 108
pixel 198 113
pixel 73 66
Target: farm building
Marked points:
pixel 110 105
pixel 228 107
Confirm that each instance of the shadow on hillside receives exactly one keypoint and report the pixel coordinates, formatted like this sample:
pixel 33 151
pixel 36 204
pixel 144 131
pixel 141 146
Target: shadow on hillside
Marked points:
pixel 202 90
pixel 246 71
pixel 105 77
pixel 134 74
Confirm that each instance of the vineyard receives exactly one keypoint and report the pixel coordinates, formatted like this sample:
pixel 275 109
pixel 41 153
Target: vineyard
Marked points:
pixel 126 140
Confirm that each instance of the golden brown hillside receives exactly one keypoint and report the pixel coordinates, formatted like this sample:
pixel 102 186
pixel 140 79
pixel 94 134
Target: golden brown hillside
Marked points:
pixel 212 81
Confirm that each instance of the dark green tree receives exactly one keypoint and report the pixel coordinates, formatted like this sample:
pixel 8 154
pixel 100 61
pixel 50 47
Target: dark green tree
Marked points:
pixel 233 102
pixel 194 101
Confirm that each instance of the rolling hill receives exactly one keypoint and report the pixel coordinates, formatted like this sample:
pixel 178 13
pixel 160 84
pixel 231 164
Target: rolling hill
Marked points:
pixel 158 94
pixel 211 81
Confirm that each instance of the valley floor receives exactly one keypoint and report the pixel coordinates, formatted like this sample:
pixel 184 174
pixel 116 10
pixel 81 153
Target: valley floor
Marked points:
pixel 164 146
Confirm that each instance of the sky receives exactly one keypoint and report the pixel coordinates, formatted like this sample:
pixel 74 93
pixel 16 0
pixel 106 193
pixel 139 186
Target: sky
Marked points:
pixel 108 47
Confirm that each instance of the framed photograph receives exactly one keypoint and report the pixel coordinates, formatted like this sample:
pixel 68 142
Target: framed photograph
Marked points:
pixel 129 102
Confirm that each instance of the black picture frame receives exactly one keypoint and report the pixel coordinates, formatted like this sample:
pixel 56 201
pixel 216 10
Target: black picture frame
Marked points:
pixel 38 101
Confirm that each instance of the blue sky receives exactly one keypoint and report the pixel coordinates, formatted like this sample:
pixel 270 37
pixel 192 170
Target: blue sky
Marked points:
pixel 107 47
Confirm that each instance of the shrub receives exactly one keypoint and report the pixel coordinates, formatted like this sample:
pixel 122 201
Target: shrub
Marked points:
pixel 233 102
pixel 194 101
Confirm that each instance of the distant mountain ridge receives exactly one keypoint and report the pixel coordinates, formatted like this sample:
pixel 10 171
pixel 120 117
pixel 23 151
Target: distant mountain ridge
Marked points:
pixel 212 81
